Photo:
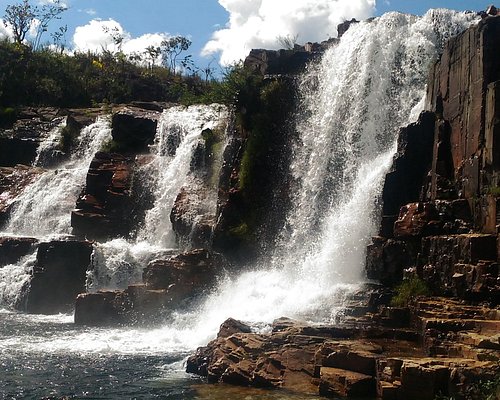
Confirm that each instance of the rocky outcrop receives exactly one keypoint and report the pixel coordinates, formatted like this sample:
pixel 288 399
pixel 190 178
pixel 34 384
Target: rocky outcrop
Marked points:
pixel 20 140
pixel 13 180
pixel 19 143
pixel 440 219
pixel 12 249
pixel 105 206
pixel 169 284
pixel 360 357
pixel 463 91
pixel 58 276
pixel 133 129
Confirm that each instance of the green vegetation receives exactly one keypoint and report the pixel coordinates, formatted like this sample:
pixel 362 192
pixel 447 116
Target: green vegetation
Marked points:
pixel 483 390
pixel 47 77
pixel 487 390
pixel 408 290
pixel 494 190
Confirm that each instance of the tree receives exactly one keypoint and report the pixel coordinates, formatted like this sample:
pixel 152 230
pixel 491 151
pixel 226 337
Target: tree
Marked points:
pixel 171 49
pixel 47 13
pixel 19 17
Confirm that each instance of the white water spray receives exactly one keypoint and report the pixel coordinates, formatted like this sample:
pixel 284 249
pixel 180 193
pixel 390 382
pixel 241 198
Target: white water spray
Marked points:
pixel 179 132
pixel 44 207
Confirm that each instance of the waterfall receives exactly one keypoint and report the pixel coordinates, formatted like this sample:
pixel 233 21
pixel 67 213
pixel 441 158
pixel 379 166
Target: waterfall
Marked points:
pixel 178 134
pixel 50 144
pixel 119 263
pixel 352 105
pixel 44 207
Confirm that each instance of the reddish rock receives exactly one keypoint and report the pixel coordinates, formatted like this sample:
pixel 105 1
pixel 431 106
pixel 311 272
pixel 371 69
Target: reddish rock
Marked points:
pixel 105 207
pixel 416 219
pixel 134 128
pixel 339 382
pixel 186 275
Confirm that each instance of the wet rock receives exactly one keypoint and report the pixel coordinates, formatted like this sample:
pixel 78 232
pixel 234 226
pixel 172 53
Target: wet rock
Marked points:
pixel 192 219
pixel 101 308
pixel 12 249
pixel 105 206
pixel 58 276
pixel 403 184
pixel 134 128
pixel 231 326
pixel 13 180
pixel 186 275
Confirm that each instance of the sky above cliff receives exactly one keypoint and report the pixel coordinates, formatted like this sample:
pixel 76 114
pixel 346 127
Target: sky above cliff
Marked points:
pixel 221 31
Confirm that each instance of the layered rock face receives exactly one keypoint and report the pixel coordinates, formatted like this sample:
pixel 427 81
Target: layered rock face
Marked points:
pixel 373 355
pixel 439 216
pixel 104 208
pixel 169 284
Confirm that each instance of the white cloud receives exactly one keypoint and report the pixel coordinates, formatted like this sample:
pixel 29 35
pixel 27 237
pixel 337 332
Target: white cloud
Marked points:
pixel 258 23
pixel 97 36
pixel 5 32
pixel 88 11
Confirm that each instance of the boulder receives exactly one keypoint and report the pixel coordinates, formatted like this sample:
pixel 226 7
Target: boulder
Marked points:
pixel 134 128
pixel 186 275
pixel 12 249
pixel 58 276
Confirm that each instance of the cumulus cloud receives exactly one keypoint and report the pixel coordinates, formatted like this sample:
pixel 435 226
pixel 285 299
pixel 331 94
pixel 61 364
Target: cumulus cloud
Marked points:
pixel 98 35
pixel 258 23
pixel 5 32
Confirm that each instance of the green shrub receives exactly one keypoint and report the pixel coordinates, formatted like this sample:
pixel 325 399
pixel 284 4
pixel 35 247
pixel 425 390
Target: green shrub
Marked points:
pixel 8 116
pixel 408 290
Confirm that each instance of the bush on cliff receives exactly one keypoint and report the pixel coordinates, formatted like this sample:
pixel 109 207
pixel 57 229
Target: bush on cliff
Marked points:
pixel 408 290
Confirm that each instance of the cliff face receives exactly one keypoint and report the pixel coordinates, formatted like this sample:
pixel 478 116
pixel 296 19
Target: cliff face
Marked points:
pixel 440 199
pixel 464 92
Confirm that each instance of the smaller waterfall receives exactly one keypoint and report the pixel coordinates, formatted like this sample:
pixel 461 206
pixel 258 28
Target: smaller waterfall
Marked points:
pixel 44 208
pixel 13 279
pixel 178 134
pixel 47 148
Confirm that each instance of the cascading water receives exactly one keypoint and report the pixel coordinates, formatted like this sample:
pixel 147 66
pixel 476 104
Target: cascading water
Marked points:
pixel 49 145
pixel 179 132
pixel 119 263
pixel 44 208
pixel 353 103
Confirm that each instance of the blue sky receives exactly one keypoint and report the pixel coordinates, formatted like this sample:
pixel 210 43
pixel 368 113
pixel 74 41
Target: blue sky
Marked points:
pixel 235 23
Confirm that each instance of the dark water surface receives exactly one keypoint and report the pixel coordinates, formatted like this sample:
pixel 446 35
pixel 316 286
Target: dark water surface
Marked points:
pixel 49 357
